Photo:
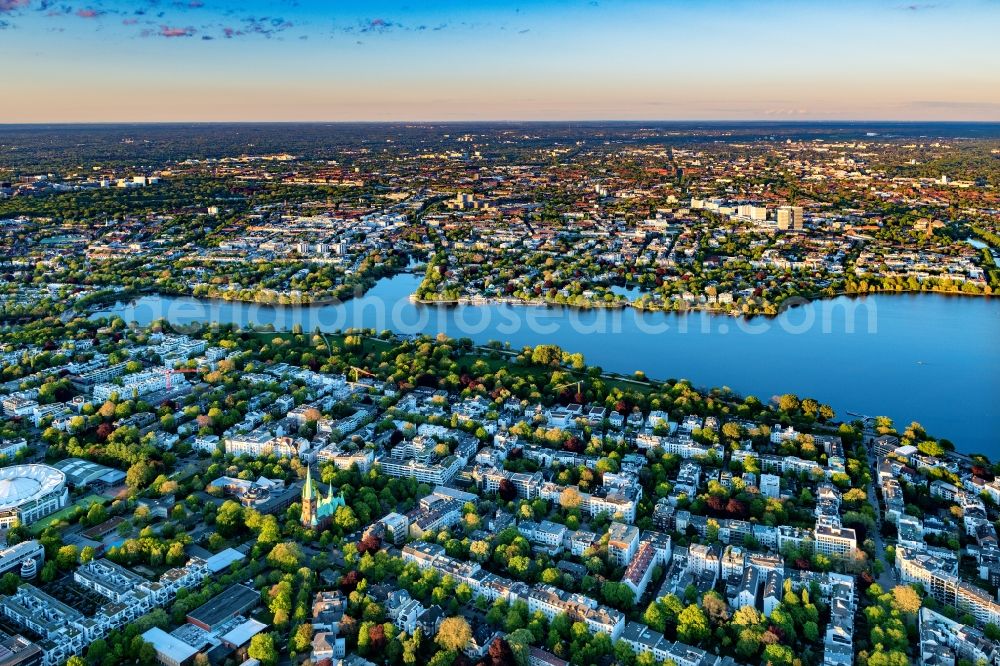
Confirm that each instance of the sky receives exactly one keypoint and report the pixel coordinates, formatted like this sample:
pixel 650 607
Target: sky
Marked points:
pixel 439 60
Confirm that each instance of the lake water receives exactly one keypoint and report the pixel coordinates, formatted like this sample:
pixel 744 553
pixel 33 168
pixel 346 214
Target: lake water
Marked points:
pixel 925 357
pixel 631 292
pixel 979 245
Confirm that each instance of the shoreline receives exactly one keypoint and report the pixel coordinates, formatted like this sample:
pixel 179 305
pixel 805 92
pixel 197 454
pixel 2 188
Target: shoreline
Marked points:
pixel 91 309
pixel 482 301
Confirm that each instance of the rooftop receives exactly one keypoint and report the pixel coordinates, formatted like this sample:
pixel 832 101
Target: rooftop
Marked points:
pixel 227 604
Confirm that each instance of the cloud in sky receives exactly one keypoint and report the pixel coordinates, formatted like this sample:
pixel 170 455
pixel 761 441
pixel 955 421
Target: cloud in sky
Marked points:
pixel 224 18
pixel 378 25
pixel 11 5
pixel 168 31
pixel 150 17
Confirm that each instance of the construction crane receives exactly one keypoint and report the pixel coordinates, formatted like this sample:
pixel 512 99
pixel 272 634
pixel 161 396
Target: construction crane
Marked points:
pixel 170 372
pixel 361 371
pixel 579 389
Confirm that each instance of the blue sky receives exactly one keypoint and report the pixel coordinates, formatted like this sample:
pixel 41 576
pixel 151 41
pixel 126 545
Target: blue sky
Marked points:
pixel 161 60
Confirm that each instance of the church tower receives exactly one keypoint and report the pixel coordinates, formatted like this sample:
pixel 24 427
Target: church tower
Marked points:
pixel 318 511
pixel 309 501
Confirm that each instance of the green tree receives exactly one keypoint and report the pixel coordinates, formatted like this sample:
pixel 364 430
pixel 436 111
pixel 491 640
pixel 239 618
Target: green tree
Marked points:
pixel 618 595
pixel 270 531
pixel 546 355
pixel 302 639
pixel 9 583
pixel 778 655
pixel 49 571
pixel 67 557
pixel 229 518
pixel 692 625
pixel 262 648
pixel 96 514
pixel 175 554
pixel 97 650
pixel 287 556
pixel 345 519
pixel 748 644
pixel 138 475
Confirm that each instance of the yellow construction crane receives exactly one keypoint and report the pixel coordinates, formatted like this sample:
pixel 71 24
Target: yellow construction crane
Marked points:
pixel 578 385
pixel 361 371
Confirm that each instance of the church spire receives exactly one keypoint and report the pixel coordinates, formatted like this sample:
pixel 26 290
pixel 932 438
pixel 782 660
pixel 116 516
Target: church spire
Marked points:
pixel 309 500
pixel 308 490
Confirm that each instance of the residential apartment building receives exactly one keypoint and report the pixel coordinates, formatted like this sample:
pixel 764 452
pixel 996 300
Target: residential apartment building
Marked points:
pixel 65 631
pixel 835 541
pixel 140 384
pixel 260 443
pixel 623 542
pixel 416 459
pixel 551 601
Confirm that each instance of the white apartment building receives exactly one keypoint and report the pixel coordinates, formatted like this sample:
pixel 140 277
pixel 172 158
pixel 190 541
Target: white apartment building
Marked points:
pixel 547 535
pixel 67 632
pixel 363 458
pixel 258 443
pixel 139 384
pixel 770 485
pixel 702 558
pixel 835 541
pixel 10 447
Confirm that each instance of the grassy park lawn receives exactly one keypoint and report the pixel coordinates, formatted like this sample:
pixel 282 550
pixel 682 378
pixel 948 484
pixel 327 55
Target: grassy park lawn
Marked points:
pixel 64 513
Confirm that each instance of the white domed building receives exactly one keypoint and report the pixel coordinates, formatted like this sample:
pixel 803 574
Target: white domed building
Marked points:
pixel 29 493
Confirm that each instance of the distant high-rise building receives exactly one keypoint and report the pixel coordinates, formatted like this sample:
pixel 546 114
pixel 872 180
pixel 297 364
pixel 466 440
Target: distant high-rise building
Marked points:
pixel 790 218
pixel 751 212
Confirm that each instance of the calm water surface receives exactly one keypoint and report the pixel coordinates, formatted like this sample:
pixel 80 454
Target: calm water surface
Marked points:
pixel 925 357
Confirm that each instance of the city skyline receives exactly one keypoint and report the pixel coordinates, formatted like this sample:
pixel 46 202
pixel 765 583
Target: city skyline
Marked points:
pixel 110 61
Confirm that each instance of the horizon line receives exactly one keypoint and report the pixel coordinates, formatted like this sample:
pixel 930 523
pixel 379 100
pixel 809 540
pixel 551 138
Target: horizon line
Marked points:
pixel 550 121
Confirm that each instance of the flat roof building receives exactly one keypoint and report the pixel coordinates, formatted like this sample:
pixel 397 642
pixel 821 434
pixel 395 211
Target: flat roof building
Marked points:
pixel 84 473
pixel 224 559
pixel 17 650
pixel 170 650
pixel 108 579
pixel 241 634
pixel 235 600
